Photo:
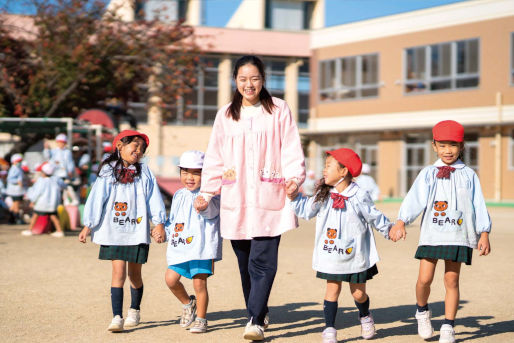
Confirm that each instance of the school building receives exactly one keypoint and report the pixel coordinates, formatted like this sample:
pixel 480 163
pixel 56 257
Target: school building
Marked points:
pixel 275 30
pixel 378 86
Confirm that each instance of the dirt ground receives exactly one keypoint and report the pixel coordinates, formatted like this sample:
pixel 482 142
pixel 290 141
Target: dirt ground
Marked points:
pixel 56 290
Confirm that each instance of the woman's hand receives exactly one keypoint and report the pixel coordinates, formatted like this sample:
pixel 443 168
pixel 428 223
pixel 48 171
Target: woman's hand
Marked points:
pixel 291 189
pixel 200 204
pixel 83 234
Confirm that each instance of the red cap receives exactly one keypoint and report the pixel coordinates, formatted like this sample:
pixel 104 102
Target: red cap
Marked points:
pixel 128 133
pixel 448 130
pixel 349 159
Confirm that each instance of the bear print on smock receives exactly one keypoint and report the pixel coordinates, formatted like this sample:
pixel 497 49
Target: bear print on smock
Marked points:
pixel 120 208
pixel 229 176
pixel 179 227
pixel 440 206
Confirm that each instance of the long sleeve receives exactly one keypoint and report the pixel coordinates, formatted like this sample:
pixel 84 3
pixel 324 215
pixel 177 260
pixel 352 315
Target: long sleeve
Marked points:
pixel 156 208
pixel 95 203
pixel 15 175
pixel 69 163
pixel 293 161
pixel 171 218
pixel 482 219
pixel 47 154
pixel 213 209
pixel 416 199
pixel 35 191
pixel 372 215
pixel 212 170
pixel 305 207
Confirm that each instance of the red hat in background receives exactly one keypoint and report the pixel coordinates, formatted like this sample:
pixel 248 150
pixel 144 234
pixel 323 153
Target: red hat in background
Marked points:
pixel 448 130
pixel 107 146
pixel 39 167
pixel 25 166
pixel 349 159
pixel 128 133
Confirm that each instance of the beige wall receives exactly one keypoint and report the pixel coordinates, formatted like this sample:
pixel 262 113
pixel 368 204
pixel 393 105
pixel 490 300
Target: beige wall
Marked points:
pixel 494 55
pixel 389 163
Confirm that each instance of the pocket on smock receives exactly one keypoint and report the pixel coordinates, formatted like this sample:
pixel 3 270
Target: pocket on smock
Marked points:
pixel 271 195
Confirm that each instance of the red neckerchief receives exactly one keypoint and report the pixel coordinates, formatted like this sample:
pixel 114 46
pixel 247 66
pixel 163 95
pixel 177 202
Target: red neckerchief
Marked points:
pixel 126 175
pixel 444 172
pixel 339 200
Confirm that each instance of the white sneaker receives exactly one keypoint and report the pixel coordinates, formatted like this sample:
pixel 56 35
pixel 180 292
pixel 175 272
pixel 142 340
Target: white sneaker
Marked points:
pixel 425 329
pixel 367 327
pixel 188 312
pixel 200 326
pixel 266 321
pixel 116 324
pixel 58 234
pixel 253 332
pixel 26 233
pixel 329 335
pixel 133 317
pixel 447 334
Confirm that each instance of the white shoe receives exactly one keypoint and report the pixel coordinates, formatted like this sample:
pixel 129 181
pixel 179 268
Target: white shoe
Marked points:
pixel 200 326
pixel 116 324
pixel 133 317
pixel 253 332
pixel 58 234
pixel 425 329
pixel 367 327
pixel 329 335
pixel 266 321
pixel 447 334
pixel 188 312
pixel 26 233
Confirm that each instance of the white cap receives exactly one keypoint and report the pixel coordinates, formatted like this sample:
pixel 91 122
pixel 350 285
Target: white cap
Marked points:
pixel 61 138
pixel 192 159
pixel 16 158
pixel 365 168
pixel 48 168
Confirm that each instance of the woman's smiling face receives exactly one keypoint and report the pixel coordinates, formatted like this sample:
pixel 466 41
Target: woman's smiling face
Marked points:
pixel 249 83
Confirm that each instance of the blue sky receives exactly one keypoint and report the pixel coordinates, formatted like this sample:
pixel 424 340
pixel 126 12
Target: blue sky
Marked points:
pixel 218 12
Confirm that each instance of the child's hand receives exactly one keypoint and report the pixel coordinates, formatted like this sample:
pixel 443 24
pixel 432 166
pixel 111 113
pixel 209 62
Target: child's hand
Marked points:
pixel 158 233
pixel 200 204
pixel 484 247
pixel 83 234
pixel 398 232
pixel 291 189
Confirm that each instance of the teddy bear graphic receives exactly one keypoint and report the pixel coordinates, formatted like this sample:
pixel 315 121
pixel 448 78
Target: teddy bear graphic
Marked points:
pixel 120 208
pixel 331 235
pixel 179 227
pixel 229 176
pixel 440 207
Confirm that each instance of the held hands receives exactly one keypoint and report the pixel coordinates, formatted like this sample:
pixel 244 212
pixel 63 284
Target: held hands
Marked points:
pixel 291 189
pixel 484 247
pixel 83 234
pixel 398 232
pixel 158 233
pixel 200 204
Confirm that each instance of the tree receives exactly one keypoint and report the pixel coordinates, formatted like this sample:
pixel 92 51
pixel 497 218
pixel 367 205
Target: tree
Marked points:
pixel 73 54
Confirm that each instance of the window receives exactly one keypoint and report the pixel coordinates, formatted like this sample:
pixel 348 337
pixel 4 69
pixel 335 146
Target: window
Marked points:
pixel 304 88
pixel 470 155
pixel 416 158
pixel 166 11
pixel 288 15
pixel 444 66
pixel 511 149
pixel 349 78
pixel 368 154
pixel 512 58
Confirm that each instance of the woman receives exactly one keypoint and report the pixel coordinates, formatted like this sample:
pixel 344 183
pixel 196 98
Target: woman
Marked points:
pixel 253 153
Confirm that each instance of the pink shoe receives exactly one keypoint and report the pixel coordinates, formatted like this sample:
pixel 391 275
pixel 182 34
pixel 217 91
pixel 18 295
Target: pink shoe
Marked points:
pixel 367 327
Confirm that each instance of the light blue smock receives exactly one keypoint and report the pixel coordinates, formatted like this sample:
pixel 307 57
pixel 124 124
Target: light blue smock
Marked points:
pixel 62 160
pixel 14 181
pixel 46 193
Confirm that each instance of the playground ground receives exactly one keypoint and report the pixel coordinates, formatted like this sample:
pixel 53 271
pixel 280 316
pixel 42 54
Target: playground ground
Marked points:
pixel 56 290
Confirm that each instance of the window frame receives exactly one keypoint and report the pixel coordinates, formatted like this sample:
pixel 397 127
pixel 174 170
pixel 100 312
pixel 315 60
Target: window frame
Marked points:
pixel 357 88
pixel 454 76
pixel 510 149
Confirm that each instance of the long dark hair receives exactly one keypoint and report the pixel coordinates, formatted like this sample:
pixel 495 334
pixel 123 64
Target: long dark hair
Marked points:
pixel 322 190
pixel 234 110
pixel 118 169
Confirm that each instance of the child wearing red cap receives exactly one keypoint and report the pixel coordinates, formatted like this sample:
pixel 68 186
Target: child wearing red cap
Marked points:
pixel 344 248
pixel 455 220
pixel 124 197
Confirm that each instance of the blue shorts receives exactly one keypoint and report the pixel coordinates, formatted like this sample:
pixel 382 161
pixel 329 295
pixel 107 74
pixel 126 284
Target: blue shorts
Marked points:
pixel 190 268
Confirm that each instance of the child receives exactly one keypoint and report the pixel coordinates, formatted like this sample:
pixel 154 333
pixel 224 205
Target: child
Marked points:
pixel 15 188
pixel 124 197
pixel 194 242
pixel 344 248
pixel 454 216
pixel 45 196
pixel 61 157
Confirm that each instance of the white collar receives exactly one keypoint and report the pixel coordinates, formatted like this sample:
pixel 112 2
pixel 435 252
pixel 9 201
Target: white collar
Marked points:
pixel 457 164
pixel 348 191
pixel 131 166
